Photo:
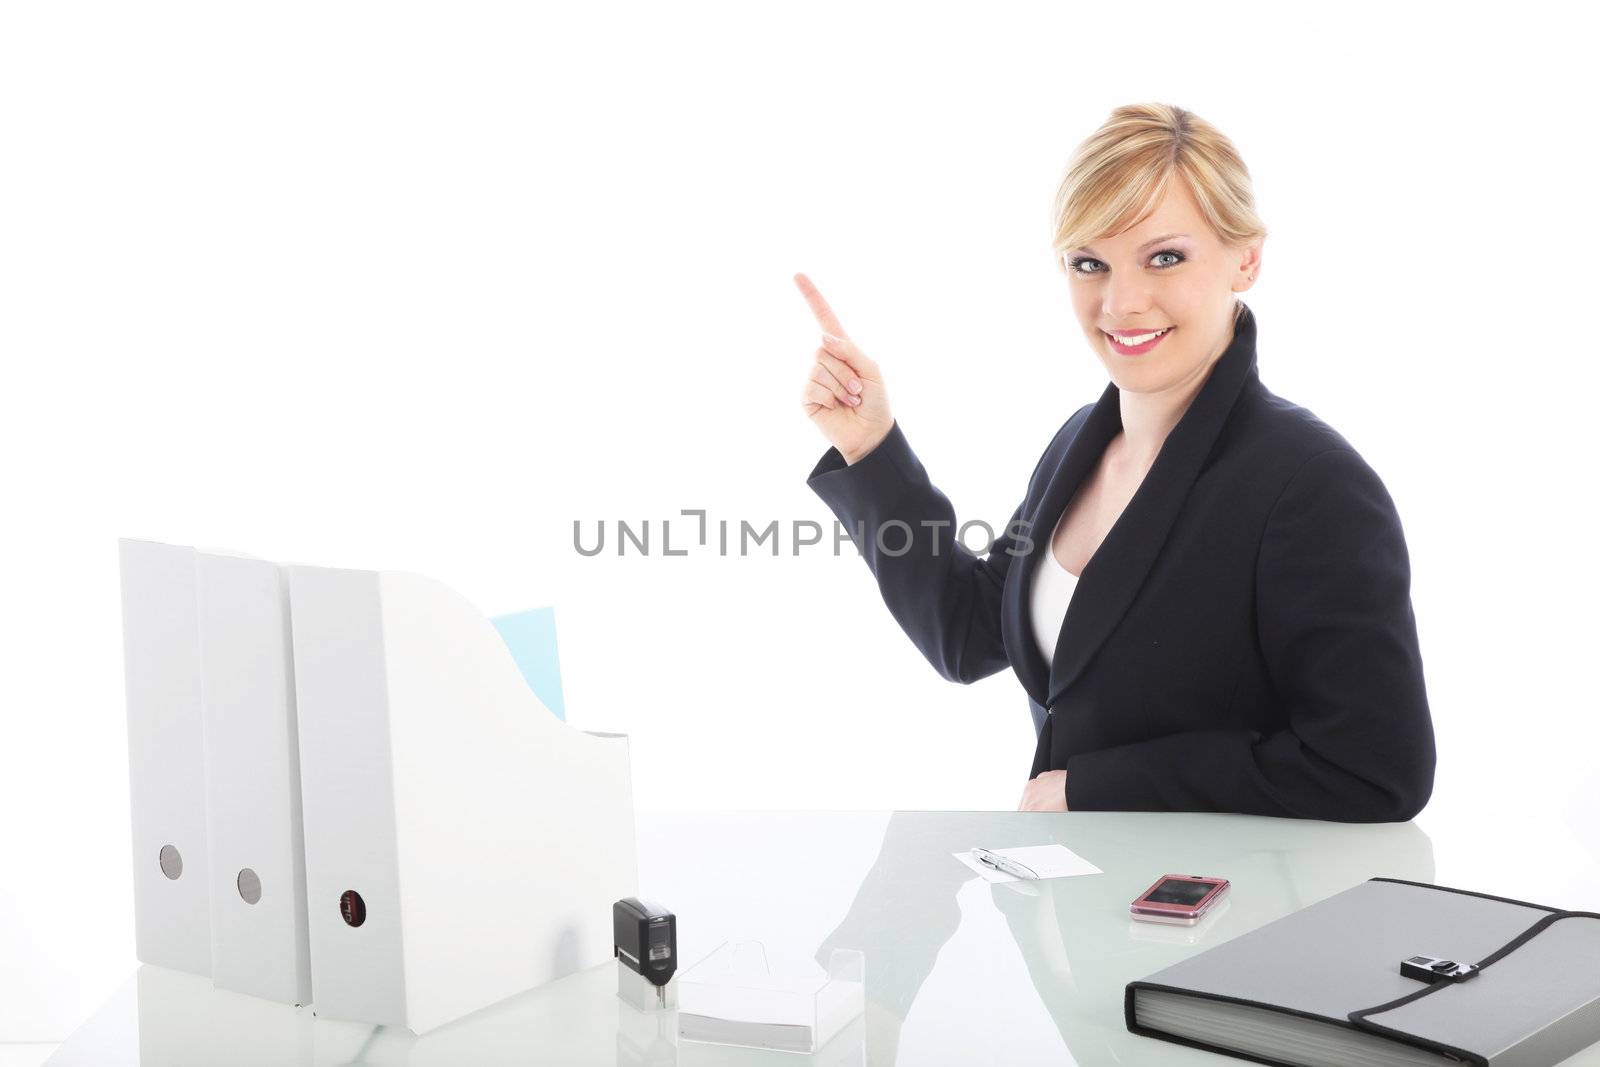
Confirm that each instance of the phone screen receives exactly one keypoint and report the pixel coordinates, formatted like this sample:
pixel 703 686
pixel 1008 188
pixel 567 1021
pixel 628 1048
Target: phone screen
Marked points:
pixel 1178 891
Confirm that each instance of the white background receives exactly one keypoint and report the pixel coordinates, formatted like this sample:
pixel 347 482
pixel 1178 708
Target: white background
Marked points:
pixel 418 286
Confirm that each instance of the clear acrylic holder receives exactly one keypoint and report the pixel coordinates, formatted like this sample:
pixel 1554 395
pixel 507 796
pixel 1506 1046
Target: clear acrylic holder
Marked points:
pixel 643 994
pixel 732 998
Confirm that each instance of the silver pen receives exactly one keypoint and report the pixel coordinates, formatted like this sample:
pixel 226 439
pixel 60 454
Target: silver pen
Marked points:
pixel 1003 864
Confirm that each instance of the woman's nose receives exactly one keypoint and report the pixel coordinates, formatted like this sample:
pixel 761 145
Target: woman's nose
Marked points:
pixel 1126 301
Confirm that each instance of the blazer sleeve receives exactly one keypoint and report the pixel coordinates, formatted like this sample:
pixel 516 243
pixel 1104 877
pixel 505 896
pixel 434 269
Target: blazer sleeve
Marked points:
pixel 945 597
pixel 1336 631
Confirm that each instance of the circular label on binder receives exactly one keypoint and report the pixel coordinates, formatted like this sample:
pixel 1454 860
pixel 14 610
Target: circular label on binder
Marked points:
pixel 249 883
pixel 353 908
pixel 171 862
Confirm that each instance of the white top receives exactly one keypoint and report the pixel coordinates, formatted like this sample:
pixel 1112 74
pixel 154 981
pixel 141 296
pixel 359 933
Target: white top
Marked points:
pixel 1052 590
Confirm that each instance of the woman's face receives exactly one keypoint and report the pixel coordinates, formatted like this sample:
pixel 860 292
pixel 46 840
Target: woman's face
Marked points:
pixel 1170 272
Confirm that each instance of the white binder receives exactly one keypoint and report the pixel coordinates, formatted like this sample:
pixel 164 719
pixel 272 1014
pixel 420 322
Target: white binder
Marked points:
pixel 462 844
pixel 166 755
pixel 259 942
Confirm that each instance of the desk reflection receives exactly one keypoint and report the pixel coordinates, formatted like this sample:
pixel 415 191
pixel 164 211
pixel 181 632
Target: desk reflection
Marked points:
pixel 182 1021
pixel 1079 946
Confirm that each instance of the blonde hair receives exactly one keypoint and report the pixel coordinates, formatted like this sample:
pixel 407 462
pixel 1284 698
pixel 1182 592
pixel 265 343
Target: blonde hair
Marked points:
pixel 1118 175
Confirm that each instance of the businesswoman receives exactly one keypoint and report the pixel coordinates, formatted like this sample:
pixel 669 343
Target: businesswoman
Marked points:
pixel 1205 591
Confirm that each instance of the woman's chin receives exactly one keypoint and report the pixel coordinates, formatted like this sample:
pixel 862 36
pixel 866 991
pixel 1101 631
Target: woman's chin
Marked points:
pixel 1147 379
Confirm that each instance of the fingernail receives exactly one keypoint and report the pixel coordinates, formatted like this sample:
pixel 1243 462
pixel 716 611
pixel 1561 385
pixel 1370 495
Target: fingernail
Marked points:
pixel 853 400
pixel 830 340
pixel 855 385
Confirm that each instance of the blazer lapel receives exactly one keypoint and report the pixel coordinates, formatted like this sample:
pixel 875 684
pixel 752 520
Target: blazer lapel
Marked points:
pixel 1119 566
pixel 1082 453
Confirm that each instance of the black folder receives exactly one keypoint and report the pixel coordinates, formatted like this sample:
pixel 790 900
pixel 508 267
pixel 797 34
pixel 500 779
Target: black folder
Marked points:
pixel 1388 973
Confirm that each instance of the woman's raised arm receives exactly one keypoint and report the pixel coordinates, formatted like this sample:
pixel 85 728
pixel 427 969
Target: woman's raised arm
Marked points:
pixel 944 596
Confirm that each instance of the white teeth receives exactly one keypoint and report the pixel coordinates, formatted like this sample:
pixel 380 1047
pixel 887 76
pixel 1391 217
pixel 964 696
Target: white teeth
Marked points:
pixel 1133 342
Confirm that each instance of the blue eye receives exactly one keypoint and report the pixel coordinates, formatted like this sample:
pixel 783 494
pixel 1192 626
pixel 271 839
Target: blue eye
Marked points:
pixel 1077 264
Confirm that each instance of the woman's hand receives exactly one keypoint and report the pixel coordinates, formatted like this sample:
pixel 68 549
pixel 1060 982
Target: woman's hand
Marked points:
pixel 1048 792
pixel 844 394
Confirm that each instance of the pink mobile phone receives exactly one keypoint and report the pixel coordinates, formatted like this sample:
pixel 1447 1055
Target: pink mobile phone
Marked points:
pixel 1178 898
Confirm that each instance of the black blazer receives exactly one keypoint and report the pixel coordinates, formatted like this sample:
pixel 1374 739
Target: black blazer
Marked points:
pixel 1243 639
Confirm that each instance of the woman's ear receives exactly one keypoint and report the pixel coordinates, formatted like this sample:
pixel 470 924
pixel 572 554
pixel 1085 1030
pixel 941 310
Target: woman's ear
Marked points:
pixel 1249 266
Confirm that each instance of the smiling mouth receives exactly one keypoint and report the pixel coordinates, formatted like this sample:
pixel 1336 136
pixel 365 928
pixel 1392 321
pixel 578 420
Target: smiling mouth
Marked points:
pixel 1134 340
pixel 1135 345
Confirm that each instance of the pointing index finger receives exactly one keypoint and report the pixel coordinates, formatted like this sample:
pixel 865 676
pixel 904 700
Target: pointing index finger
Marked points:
pixel 819 307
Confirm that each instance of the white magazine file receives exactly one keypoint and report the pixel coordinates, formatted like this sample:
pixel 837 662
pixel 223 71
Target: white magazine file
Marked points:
pixel 259 939
pixel 166 755
pixel 477 841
